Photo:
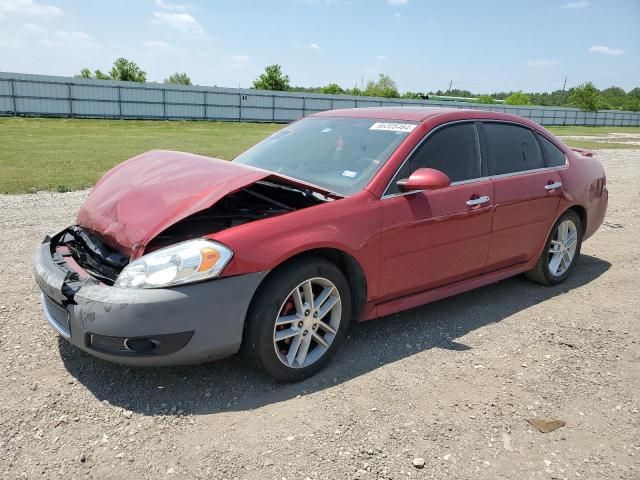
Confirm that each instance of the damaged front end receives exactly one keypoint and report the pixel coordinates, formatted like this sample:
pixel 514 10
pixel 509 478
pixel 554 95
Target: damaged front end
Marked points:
pixel 127 282
pixel 85 254
pixel 80 248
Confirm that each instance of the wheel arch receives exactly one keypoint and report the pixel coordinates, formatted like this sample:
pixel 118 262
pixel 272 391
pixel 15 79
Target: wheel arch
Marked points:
pixel 347 264
pixel 581 212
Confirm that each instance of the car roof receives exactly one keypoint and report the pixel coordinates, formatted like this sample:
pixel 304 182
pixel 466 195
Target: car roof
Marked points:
pixel 416 114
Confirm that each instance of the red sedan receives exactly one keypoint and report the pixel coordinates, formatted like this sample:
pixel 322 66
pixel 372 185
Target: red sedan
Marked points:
pixel 343 216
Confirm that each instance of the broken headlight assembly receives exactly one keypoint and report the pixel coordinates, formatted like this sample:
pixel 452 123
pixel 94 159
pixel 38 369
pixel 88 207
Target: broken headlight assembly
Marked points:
pixel 185 262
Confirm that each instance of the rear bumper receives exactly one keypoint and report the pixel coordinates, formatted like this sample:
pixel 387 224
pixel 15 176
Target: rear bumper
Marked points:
pixel 185 325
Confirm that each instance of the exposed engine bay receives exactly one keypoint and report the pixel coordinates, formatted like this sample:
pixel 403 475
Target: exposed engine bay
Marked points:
pixel 261 200
pixel 257 201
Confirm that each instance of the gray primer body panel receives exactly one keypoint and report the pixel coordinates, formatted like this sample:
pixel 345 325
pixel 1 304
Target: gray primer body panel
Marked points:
pixel 213 310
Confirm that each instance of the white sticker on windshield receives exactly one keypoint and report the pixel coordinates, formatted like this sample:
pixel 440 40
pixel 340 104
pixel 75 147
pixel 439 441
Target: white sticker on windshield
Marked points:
pixel 326 130
pixel 349 173
pixel 393 127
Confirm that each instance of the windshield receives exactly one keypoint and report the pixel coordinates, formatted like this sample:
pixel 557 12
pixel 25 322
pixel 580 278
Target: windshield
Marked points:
pixel 340 154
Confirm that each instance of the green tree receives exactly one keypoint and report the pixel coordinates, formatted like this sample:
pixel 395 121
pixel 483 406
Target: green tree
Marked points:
pixel 122 69
pixel 613 97
pixel 97 75
pixel 127 71
pixel 518 98
pixel 458 93
pixel 633 100
pixel 355 91
pixel 178 79
pixel 485 99
pixel 384 87
pixel 585 97
pixel 272 79
pixel 415 95
pixel 332 89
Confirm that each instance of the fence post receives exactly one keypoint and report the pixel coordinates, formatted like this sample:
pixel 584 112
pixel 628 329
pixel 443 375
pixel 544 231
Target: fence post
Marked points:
pixel 273 108
pixel 119 103
pixel 70 101
pixel 239 107
pixel 204 99
pixel 164 104
pixel 13 96
pixel 304 106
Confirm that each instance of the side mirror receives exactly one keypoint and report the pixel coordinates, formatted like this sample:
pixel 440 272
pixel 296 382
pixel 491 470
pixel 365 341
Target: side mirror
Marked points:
pixel 424 179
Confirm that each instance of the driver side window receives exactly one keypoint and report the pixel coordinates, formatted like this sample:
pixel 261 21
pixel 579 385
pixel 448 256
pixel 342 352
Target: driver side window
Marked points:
pixel 452 149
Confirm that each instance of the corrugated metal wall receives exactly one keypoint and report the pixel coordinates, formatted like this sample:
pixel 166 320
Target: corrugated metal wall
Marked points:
pixel 41 95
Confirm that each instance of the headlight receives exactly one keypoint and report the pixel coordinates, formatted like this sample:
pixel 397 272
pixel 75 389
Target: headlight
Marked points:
pixel 186 262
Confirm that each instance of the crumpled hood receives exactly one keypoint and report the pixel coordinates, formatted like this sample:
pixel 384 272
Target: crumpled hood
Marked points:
pixel 138 199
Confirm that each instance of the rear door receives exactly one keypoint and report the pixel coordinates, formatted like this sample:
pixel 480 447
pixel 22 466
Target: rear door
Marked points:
pixel 526 193
pixel 437 237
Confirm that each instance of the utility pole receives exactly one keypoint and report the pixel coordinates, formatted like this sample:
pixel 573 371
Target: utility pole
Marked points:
pixel 565 84
pixel 362 82
pixel 450 84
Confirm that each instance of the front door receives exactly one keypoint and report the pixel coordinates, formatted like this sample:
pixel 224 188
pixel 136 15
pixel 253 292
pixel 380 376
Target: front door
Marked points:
pixel 437 237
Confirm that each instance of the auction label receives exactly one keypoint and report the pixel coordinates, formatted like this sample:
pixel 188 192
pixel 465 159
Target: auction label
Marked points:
pixel 393 127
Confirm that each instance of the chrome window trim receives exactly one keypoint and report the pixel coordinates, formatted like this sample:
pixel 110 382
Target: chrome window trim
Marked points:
pixel 401 194
pixel 479 179
pixel 525 172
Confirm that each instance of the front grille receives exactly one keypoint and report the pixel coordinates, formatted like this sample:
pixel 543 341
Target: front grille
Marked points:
pixel 109 344
pixel 57 315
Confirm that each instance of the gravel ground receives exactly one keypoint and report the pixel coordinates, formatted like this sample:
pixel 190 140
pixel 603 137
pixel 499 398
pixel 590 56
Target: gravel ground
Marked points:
pixel 451 383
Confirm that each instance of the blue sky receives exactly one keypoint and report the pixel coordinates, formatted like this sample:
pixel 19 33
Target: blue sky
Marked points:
pixel 481 46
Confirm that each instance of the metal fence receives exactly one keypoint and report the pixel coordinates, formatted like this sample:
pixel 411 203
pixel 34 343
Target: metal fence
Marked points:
pixel 41 95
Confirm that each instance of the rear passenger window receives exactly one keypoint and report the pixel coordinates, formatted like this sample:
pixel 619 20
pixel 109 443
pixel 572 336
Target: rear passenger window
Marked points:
pixel 511 149
pixel 452 150
pixel 553 156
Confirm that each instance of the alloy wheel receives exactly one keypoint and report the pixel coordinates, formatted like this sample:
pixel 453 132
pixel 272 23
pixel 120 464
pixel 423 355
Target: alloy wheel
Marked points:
pixel 562 249
pixel 307 322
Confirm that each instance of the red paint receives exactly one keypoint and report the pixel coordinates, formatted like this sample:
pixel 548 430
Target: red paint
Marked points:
pixel 414 248
pixel 425 179
pixel 138 199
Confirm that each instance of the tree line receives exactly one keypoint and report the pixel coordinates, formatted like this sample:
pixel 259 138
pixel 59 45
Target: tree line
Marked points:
pixel 585 96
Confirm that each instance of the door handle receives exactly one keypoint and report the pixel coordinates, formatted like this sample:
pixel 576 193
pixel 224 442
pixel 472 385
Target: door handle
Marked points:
pixel 553 186
pixel 478 201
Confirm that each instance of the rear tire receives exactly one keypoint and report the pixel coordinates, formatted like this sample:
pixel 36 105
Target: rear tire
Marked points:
pixel 288 335
pixel 561 251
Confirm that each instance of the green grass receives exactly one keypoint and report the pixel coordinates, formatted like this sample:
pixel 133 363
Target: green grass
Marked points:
pixel 591 131
pixel 70 154
pixel 591 145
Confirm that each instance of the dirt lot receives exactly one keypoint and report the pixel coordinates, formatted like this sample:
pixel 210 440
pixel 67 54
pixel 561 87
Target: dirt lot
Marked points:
pixel 451 382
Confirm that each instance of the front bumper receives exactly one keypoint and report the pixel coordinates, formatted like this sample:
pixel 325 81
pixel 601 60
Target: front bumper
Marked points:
pixel 180 325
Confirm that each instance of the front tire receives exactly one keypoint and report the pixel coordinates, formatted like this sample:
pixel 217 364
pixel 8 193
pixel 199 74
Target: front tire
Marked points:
pixel 561 251
pixel 298 319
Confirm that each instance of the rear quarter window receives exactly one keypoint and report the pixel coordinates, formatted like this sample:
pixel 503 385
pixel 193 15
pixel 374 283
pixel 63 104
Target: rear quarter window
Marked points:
pixel 553 156
pixel 511 148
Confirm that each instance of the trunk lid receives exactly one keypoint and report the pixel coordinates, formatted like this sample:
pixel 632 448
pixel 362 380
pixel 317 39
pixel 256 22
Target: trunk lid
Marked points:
pixel 138 199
